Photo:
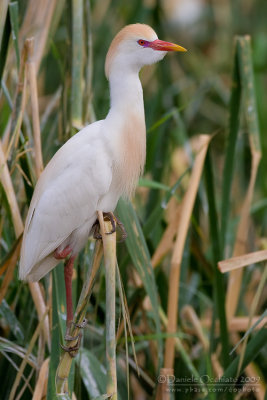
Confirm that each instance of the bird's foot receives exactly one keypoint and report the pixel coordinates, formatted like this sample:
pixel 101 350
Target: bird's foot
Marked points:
pixel 114 221
pixel 72 350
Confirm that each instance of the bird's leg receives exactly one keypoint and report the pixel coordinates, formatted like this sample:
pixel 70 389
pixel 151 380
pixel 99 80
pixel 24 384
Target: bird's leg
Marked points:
pixel 68 271
pixel 61 254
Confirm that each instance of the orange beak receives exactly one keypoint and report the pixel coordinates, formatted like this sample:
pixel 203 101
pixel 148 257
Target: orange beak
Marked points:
pixel 165 46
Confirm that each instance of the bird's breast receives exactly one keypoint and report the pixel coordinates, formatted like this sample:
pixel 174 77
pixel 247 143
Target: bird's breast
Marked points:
pixel 130 154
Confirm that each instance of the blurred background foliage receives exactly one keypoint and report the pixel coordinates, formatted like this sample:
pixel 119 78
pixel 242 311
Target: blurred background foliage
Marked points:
pixel 185 95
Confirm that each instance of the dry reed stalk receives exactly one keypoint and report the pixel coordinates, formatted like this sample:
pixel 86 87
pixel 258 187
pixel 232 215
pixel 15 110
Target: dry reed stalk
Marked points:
pixel 237 324
pixel 40 387
pixel 10 193
pixel 9 266
pixel 18 226
pixel 109 245
pixel 163 384
pixel 166 241
pixel 242 261
pixel 37 22
pixel 18 107
pixel 186 211
pixel 40 306
pixel 24 361
pixel 31 74
pixel 235 279
pixel 189 313
pixel 100 10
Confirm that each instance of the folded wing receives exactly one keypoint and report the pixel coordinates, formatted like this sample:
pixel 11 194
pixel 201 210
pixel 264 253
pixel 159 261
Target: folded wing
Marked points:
pixel 65 199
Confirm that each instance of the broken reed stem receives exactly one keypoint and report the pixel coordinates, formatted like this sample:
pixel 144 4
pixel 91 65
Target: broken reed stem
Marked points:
pixel 64 366
pixel 31 73
pixel 109 244
pixel 242 261
pixel 186 212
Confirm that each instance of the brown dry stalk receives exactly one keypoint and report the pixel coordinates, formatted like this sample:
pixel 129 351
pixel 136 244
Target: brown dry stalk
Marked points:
pixel 237 324
pixel 235 279
pixel 163 379
pixel 31 74
pixel 186 212
pixel 9 266
pixel 10 193
pixel 189 314
pixel 40 387
pixel 242 261
pixel 166 241
pixel 37 22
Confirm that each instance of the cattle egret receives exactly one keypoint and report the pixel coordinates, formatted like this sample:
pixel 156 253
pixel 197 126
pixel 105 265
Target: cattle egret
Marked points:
pixel 95 167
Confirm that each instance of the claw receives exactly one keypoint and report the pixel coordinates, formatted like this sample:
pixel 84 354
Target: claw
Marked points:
pixel 82 325
pixel 70 338
pixel 113 220
pixel 72 350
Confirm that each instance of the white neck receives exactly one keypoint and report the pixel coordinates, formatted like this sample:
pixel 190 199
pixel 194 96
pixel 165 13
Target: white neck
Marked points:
pixel 128 138
pixel 126 93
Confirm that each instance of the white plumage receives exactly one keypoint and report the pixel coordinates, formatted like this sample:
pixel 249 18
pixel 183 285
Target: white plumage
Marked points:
pixel 96 166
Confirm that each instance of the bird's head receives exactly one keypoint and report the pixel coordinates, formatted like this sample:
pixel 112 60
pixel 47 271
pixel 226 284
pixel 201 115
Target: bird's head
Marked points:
pixel 133 47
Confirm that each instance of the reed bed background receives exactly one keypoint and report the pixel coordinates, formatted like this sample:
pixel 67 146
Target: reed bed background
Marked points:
pixel 193 267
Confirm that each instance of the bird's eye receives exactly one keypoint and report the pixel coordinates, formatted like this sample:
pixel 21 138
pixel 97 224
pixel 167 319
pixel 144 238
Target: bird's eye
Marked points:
pixel 141 42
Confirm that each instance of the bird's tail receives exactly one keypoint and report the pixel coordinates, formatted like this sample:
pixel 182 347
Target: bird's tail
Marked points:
pixel 39 270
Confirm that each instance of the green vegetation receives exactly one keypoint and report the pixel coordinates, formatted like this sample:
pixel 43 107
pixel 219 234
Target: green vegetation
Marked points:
pixel 204 179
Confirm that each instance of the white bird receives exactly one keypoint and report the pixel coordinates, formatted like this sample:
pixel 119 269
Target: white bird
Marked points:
pixel 95 167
